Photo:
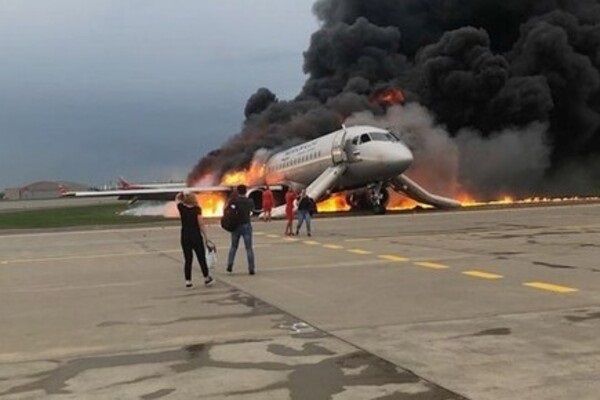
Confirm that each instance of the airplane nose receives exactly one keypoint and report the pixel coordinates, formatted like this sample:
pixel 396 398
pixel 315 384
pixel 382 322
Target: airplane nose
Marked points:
pixel 402 156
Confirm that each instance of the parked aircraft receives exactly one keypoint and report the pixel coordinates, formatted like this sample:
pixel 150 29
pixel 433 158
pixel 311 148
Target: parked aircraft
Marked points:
pixel 125 185
pixel 361 160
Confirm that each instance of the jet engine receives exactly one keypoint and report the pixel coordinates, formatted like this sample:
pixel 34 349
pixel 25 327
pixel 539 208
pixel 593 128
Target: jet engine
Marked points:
pixel 256 195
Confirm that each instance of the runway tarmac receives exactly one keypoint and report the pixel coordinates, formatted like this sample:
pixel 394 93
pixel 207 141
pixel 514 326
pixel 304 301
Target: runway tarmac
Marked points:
pixel 496 304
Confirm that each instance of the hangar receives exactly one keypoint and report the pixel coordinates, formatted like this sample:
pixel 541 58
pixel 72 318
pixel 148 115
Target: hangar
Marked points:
pixel 41 190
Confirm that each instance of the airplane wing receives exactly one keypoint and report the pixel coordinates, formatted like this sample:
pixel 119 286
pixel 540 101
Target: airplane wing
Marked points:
pixel 164 194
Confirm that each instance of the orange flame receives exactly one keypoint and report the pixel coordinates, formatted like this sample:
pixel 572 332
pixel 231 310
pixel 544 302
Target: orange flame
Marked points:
pixel 399 202
pixel 212 203
pixel 337 202
pixel 253 175
pixel 528 200
pixel 388 97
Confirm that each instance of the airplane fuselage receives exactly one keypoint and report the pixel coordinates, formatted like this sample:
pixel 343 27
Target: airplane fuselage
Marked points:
pixel 356 157
pixel 371 154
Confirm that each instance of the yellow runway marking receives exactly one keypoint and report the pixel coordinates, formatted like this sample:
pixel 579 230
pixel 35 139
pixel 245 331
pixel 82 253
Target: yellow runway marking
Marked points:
pixel 333 246
pixel 358 240
pixel 390 257
pixel 431 265
pixel 311 242
pixel 483 275
pixel 273 236
pixel 359 251
pixel 259 233
pixel 550 287
pixel 291 239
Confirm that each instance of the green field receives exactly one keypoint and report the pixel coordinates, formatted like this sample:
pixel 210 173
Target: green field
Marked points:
pixel 96 215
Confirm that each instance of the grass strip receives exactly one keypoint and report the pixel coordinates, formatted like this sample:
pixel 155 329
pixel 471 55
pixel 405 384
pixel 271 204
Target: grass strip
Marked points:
pixel 106 214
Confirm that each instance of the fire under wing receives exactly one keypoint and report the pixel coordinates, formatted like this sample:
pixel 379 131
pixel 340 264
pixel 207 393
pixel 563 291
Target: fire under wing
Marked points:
pixel 160 194
pixel 351 158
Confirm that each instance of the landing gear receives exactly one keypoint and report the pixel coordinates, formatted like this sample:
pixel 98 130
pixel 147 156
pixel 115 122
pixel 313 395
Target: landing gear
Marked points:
pixel 378 198
pixel 379 209
pixel 374 198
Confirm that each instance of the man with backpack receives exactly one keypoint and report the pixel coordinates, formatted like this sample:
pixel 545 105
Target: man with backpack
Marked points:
pixel 236 219
pixel 306 209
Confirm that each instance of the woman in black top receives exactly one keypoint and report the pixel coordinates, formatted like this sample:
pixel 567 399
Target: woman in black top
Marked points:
pixel 192 236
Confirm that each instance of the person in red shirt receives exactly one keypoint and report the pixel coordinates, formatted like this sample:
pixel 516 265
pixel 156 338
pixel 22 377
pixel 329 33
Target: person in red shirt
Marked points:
pixel 267 203
pixel 290 198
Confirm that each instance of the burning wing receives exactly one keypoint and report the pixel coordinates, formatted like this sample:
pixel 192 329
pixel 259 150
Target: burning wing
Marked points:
pixel 213 197
pixel 162 194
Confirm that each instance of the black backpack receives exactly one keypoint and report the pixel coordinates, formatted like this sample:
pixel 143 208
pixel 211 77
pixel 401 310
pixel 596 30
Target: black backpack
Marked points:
pixel 231 217
pixel 313 206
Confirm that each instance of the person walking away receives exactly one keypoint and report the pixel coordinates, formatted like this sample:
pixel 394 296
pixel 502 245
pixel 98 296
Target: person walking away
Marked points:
pixel 290 198
pixel 267 203
pixel 305 210
pixel 245 206
pixel 193 233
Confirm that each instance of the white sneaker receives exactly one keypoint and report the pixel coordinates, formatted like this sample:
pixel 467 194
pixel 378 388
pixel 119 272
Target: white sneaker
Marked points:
pixel 209 281
pixel 188 284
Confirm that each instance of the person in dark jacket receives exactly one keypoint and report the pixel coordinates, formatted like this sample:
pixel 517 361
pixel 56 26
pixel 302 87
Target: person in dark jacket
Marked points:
pixel 192 236
pixel 306 208
pixel 243 230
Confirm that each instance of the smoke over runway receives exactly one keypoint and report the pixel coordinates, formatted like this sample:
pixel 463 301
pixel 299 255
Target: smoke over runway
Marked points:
pixel 501 95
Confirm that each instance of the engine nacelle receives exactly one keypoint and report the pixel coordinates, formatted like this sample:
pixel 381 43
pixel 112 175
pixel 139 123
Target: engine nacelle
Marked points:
pixel 256 195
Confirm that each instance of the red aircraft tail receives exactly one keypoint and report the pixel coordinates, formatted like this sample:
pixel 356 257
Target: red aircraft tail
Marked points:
pixel 123 184
pixel 62 189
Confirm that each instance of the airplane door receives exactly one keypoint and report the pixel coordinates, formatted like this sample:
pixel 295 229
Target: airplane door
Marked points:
pixel 338 154
pixel 352 151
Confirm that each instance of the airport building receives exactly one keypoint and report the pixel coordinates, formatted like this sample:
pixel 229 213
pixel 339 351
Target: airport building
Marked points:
pixel 41 190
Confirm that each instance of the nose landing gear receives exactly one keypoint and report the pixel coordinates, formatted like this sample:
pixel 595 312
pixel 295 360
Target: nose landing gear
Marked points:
pixel 379 197
pixel 374 197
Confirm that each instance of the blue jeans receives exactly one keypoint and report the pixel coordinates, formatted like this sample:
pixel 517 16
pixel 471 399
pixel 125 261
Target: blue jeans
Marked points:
pixel 303 215
pixel 244 231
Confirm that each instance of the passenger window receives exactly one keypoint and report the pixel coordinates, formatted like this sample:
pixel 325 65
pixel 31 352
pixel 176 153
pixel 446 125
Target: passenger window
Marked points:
pixel 355 141
pixel 364 138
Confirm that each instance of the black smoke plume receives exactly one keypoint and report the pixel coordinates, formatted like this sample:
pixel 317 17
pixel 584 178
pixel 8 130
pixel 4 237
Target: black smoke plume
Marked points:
pixel 493 74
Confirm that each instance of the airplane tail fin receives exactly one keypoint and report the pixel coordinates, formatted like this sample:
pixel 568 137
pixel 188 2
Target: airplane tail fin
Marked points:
pixel 404 184
pixel 123 184
pixel 63 190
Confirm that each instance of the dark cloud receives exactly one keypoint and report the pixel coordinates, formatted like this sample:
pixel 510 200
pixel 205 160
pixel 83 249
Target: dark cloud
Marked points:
pixel 259 101
pixel 498 69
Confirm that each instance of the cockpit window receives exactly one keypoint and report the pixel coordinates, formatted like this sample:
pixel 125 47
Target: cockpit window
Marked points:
pixel 374 136
pixel 383 137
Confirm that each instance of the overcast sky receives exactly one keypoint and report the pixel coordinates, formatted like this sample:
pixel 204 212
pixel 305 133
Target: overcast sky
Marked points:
pixel 94 89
